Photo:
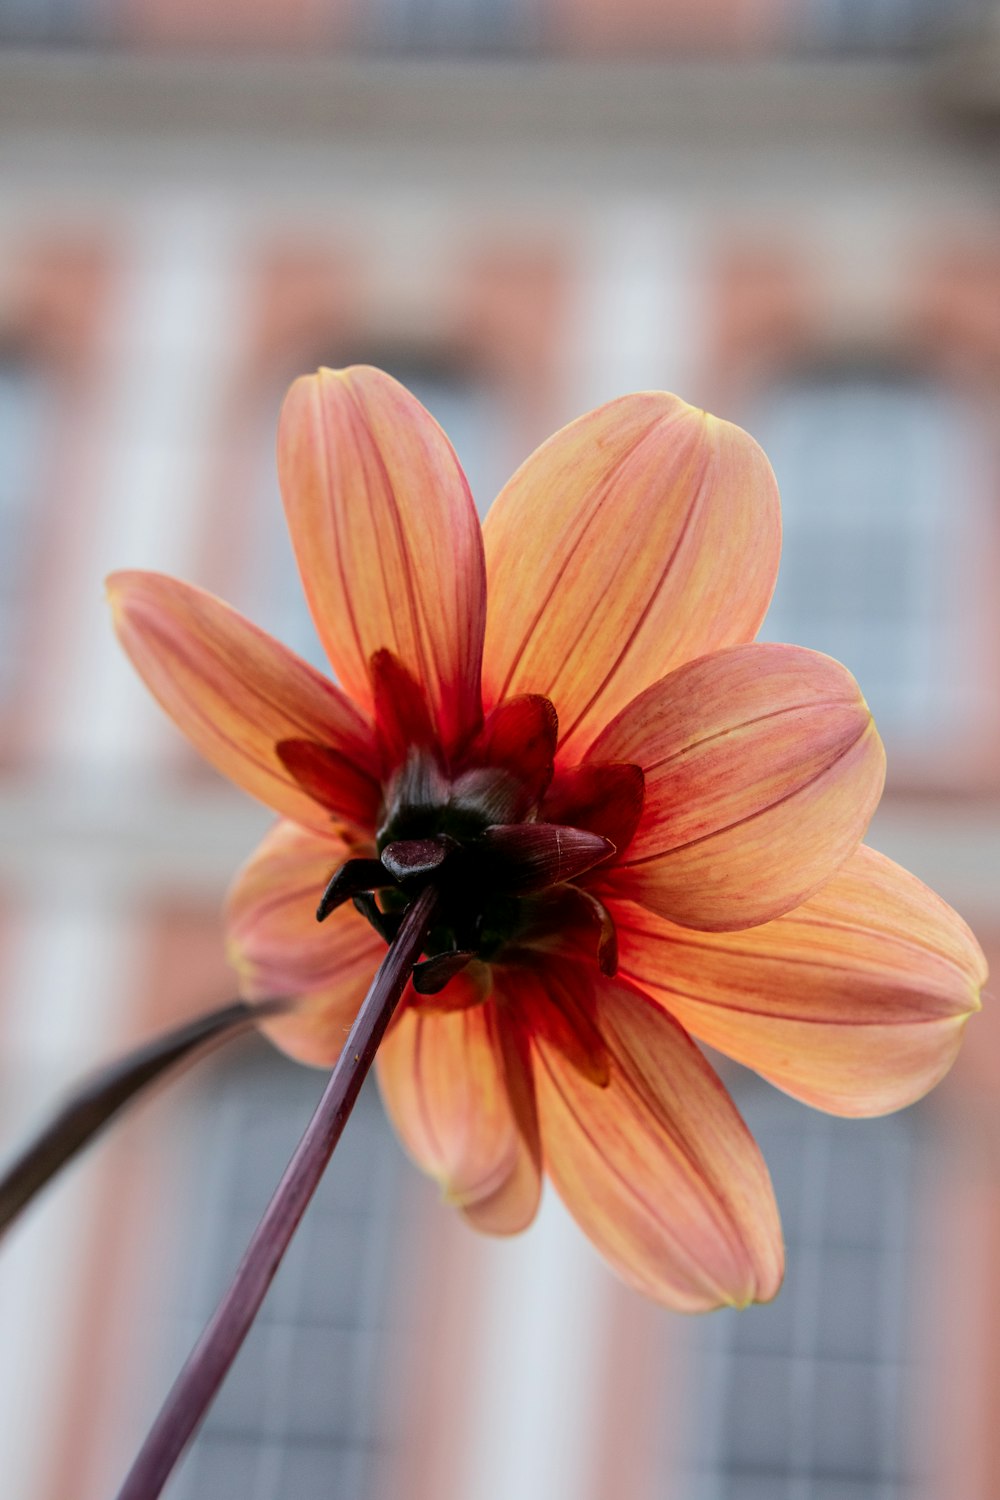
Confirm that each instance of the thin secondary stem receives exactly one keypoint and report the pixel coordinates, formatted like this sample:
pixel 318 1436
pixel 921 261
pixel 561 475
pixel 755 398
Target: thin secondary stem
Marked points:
pixel 99 1098
pixel 198 1382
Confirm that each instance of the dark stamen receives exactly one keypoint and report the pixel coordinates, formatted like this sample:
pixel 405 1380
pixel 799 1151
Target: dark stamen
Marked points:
pixel 529 857
pixel 431 976
pixel 386 924
pixel 352 879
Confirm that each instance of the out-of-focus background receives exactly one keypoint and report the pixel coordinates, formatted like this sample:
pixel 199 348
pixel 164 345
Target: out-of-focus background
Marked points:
pixel 786 210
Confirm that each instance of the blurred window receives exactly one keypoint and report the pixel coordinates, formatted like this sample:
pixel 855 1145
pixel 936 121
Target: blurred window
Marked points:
pixel 305 1413
pixel 865 26
pixel 470 414
pixel 452 26
pixel 41 21
pixel 810 1397
pixel 872 511
pixel 23 404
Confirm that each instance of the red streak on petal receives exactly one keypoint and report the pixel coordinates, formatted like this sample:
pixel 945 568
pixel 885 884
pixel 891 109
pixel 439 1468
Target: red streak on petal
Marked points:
pixel 402 718
pixel 519 736
pixel 325 774
pixel 556 1001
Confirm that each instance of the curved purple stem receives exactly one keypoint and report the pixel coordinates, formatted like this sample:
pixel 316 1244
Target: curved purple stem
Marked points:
pixel 209 1361
pixel 99 1098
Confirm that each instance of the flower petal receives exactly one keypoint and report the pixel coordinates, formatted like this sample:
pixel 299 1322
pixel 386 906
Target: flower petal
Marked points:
pixel 556 1001
pixel 402 720
pixel 641 535
pixel 454 1086
pixel 277 946
pixel 513 1205
pixel 657 1167
pixel 762 767
pixel 386 537
pixel 238 695
pixel 855 1003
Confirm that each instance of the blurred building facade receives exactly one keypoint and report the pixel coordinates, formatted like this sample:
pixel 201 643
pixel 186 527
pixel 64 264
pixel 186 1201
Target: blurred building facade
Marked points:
pixel 786 211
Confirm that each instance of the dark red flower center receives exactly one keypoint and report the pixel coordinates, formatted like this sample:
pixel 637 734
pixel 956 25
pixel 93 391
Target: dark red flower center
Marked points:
pixel 501 837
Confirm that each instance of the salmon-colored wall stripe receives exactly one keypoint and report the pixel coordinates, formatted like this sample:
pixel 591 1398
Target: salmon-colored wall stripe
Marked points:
pixel 502 316
pixel 951 305
pixel 636 1401
pixel 957 1309
pixel 439 1291
pixel 764 305
pixel 509 319
pixel 53 314
pixel 718 26
pixel 182 973
pixel 961 1326
pixel 301 308
pixel 952 295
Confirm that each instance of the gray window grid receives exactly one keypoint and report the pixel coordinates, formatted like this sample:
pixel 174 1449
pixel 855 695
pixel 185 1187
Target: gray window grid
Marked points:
pixel 886 26
pixel 306 1410
pixel 455 26
pixel 24 399
pixel 811 1397
pixel 873 520
pixel 56 21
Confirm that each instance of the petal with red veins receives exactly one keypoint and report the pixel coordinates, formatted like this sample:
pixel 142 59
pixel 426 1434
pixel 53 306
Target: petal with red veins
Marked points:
pixel 386 536
pixel 238 695
pixel 322 774
pixel 278 948
pixel 512 1206
pixel 855 1003
pixel 762 767
pixel 556 1001
pixel 639 536
pixel 454 1086
pixel 402 720
pixel 657 1167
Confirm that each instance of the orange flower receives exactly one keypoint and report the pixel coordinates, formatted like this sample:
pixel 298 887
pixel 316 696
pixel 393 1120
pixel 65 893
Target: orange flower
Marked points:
pixel 644 827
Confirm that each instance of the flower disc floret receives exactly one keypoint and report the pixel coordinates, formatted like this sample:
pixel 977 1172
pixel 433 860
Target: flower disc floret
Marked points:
pixel 480 836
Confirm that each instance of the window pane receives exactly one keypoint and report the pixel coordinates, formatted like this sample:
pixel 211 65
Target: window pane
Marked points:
pixel 304 1410
pixel 455 26
pixel 867 466
pixel 22 413
pixel 808 1398
pixel 55 21
pixel 865 26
